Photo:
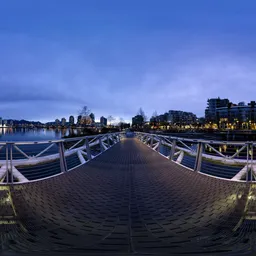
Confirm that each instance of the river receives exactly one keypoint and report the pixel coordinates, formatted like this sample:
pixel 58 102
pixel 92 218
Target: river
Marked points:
pixel 25 134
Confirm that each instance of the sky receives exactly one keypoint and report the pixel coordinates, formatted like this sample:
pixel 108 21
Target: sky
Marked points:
pixel 117 56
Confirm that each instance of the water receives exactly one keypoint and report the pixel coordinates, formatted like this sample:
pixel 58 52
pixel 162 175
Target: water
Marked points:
pixel 25 134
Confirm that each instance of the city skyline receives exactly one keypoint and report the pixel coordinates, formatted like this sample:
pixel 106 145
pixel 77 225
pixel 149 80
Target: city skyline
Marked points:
pixel 117 119
pixel 116 57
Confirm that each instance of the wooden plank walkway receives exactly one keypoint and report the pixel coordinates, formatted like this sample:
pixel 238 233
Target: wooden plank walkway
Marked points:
pixel 130 200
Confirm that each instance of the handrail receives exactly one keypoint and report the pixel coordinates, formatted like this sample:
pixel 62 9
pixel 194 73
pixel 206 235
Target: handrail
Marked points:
pixel 50 157
pixel 3 143
pixel 199 140
pixel 210 157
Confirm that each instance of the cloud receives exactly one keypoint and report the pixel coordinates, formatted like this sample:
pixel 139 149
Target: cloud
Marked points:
pixel 189 85
pixel 59 79
pixel 43 80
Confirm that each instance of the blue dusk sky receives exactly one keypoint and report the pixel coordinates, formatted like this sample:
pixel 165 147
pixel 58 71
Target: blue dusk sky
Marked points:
pixel 116 56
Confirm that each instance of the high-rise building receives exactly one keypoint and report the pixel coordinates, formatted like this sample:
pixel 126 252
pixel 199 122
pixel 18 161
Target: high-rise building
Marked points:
pixel 63 121
pixel 211 110
pixel 103 121
pixel 57 122
pixel 1 121
pixel 92 116
pixel 71 120
pixel 79 118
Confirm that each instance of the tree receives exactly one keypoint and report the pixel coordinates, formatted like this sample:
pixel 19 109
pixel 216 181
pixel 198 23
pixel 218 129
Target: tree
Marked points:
pixel 142 113
pixel 121 123
pixel 85 117
pixel 154 114
pixel 84 111
pixel 110 119
pixel 153 119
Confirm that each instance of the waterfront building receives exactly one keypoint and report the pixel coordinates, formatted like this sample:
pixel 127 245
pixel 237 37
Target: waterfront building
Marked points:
pixel 137 120
pixel 237 116
pixel 79 118
pixel 63 121
pixel 201 120
pixel 92 116
pixel 211 109
pixel 57 122
pixel 98 125
pixel 1 121
pixel 71 120
pixel 159 119
pixel 181 117
pixel 162 118
pixel 103 121
pixel 174 116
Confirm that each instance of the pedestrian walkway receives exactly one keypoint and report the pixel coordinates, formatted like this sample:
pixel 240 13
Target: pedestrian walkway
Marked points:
pixel 130 200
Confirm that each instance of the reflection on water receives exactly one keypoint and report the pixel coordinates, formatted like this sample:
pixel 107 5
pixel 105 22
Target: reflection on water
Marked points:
pixel 26 134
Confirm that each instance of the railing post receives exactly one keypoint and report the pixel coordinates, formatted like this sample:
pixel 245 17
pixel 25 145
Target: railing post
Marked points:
pixel 152 141
pixel 174 142
pixel 88 150
pixel 108 141
pixel 7 163
pixel 249 152
pixel 160 143
pixel 143 138
pixel 11 163
pixel 114 139
pixel 101 146
pixel 199 154
pixel 63 163
pixel 251 161
pixel 247 161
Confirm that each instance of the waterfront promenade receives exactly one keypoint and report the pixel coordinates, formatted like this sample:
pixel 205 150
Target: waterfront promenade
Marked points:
pixel 129 201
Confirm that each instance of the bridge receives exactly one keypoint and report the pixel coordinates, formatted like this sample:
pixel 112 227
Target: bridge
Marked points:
pixel 127 194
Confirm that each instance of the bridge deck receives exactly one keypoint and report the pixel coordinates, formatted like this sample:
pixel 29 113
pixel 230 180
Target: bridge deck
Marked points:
pixel 129 200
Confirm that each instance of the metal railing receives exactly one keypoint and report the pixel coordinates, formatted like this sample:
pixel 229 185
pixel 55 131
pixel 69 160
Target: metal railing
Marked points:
pixel 36 160
pixel 221 159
